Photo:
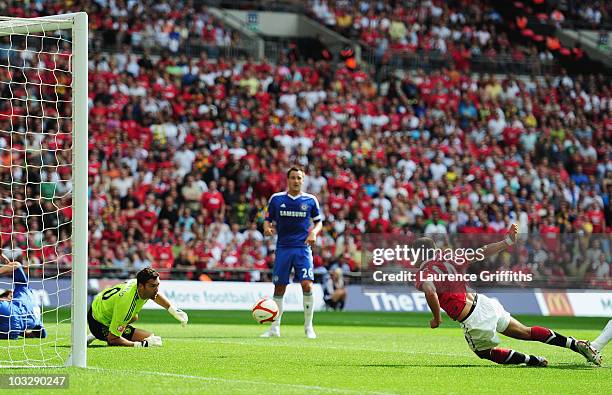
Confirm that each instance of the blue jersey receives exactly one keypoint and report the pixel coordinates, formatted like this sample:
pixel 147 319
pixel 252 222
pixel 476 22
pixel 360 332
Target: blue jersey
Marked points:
pixel 292 215
pixel 21 313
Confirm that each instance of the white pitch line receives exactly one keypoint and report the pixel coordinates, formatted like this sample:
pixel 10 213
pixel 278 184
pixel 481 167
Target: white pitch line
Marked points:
pixel 224 380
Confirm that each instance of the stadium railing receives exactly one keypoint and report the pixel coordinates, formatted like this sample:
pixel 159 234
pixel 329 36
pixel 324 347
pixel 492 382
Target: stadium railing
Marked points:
pixel 298 6
pixel 579 24
pixel 501 64
pixel 192 47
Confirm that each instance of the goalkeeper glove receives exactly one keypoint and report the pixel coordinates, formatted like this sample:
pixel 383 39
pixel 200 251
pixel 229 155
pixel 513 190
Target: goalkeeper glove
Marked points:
pixel 151 341
pixel 179 314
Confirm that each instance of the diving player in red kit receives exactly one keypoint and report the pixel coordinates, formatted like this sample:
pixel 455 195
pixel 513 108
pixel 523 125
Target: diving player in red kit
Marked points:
pixel 482 317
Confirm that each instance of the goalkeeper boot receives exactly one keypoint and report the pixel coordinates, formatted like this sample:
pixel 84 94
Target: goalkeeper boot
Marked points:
pixel 310 333
pixel 274 331
pixel 591 354
pixel 90 339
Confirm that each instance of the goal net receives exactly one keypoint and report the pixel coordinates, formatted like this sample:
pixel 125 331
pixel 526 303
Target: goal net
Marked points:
pixel 43 190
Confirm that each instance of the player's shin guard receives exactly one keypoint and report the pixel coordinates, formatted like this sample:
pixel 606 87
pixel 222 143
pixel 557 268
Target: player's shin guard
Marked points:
pixel 604 338
pixel 548 336
pixel 504 356
pixel 279 302
pixel 308 309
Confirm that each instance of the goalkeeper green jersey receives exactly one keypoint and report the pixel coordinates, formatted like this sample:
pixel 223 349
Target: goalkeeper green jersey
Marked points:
pixel 116 306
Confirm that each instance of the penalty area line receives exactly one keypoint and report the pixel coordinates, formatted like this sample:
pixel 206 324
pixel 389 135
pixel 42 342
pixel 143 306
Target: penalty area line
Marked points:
pixel 238 381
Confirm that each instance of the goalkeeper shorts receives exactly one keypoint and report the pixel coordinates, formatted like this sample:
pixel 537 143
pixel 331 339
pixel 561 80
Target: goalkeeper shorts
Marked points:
pixel 100 331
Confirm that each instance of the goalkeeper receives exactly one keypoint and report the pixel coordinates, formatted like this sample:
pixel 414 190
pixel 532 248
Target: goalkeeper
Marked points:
pixel 19 312
pixel 115 308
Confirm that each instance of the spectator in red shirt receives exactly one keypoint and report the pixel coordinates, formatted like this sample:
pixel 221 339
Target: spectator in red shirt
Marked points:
pixel 213 200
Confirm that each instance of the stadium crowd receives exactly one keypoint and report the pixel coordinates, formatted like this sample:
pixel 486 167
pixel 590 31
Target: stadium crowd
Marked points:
pixel 461 29
pixel 198 147
pixel 594 12
pixel 587 14
pixel 138 25
pixel 184 153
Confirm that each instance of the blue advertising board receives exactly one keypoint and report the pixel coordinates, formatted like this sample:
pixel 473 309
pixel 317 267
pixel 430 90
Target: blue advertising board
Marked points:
pixel 408 299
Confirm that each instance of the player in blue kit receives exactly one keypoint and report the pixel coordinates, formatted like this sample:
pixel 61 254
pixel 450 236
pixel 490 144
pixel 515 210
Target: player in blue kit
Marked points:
pixel 19 312
pixel 292 212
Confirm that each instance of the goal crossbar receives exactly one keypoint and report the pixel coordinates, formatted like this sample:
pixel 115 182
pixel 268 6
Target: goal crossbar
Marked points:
pixel 51 23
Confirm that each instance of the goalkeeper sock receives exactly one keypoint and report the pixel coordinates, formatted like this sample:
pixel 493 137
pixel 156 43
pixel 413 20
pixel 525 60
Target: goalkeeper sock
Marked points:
pixel 603 338
pixel 308 309
pixel 279 301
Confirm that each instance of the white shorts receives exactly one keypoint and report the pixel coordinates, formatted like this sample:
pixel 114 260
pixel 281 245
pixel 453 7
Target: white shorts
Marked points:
pixel 481 327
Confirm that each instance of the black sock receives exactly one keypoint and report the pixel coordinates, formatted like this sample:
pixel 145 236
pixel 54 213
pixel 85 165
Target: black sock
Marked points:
pixel 517 358
pixel 551 337
pixel 505 356
pixel 562 341
pixel 533 361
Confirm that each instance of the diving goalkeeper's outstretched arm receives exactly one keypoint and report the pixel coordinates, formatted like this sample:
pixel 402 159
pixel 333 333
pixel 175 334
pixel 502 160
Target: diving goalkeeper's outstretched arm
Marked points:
pixel 179 314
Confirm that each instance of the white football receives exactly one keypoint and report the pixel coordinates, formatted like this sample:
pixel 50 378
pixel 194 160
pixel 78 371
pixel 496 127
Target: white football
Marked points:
pixel 265 310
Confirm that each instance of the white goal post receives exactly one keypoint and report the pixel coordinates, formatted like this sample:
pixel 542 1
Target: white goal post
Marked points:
pixel 74 35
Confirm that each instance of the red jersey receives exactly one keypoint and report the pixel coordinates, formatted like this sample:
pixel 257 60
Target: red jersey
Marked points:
pixel 451 294
pixel 597 218
pixel 147 220
pixel 551 238
pixel 212 201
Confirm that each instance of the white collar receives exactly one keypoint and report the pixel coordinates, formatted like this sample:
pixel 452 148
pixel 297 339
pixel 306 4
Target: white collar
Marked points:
pixel 294 197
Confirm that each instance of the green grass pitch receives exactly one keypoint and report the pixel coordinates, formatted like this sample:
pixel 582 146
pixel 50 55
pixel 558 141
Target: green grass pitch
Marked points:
pixel 359 353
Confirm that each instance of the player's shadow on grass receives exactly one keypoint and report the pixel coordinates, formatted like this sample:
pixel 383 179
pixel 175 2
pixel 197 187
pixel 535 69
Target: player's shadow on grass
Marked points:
pixel 466 365
pixel 412 365
pixel 90 346
pixel 572 366
pixel 384 365
pixel 209 337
